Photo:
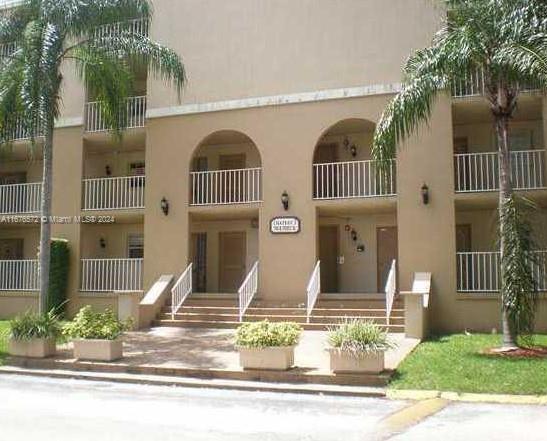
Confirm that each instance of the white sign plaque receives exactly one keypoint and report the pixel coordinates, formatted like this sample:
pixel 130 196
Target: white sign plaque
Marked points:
pixel 285 225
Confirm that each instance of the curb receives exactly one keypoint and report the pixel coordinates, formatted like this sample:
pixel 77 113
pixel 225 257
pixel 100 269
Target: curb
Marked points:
pixel 163 380
pixel 418 395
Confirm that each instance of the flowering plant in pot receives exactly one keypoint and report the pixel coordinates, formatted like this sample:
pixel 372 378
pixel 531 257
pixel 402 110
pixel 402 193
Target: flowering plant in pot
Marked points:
pixel 33 335
pixel 358 346
pixel 96 335
pixel 265 345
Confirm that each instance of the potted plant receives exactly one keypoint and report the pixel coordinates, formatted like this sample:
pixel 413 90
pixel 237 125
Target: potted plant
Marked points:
pixel 358 346
pixel 33 335
pixel 95 335
pixel 265 345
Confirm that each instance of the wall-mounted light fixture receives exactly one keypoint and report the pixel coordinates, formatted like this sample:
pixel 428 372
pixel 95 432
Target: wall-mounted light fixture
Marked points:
pixel 425 194
pixel 360 248
pixel 102 242
pixel 351 147
pixel 108 170
pixel 353 150
pixel 164 204
pixel 353 235
pixel 285 200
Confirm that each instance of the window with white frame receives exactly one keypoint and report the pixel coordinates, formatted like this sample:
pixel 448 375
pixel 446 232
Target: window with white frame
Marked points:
pixel 135 246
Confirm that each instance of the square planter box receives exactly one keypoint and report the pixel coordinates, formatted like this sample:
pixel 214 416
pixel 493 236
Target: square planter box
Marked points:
pixel 98 350
pixel 344 362
pixel 276 358
pixel 35 348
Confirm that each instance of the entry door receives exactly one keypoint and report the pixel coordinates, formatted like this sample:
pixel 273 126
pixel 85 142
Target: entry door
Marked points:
pixel 328 254
pixel 386 242
pixel 326 177
pixel 199 259
pixel 234 183
pixel 233 254
pixel 11 249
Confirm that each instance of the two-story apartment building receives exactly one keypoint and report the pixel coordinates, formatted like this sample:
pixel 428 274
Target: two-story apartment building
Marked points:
pixel 261 176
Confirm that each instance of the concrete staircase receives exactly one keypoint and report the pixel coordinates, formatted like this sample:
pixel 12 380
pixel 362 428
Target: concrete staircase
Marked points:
pixel 222 312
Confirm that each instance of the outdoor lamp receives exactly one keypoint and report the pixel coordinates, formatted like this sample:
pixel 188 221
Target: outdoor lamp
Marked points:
pixel 353 150
pixel 108 170
pixel 425 194
pixel 285 200
pixel 164 204
pixel 354 235
pixel 102 242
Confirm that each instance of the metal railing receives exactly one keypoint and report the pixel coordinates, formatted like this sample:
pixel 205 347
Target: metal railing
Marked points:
pixel 120 193
pixel 17 131
pixel 109 275
pixel 135 113
pixel 353 179
pixel 391 289
pixel 7 49
pixel 19 275
pixel 135 26
pixel 222 187
pixel 313 289
pixel 474 85
pixel 248 290
pixel 20 198
pixel 181 290
pixel 480 271
pixel 476 172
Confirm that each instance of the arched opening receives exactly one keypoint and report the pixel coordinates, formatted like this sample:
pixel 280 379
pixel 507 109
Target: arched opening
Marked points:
pixel 225 190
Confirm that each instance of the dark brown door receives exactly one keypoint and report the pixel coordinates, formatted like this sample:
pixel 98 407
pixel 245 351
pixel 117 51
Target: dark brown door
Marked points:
pixel 328 254
pixel 387 250
pixel 326 176
pixel 11 249
pixel 233 254
pixel 199 262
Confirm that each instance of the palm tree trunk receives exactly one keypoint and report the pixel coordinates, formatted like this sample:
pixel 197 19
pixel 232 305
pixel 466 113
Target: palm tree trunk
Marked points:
pixel 506 190
pixel 45 230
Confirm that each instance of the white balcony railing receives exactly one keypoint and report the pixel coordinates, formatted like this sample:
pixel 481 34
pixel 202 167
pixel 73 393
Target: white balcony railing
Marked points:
pixel 136 26
pixel 7 49
pixel 221 187
pixel 474 85
pixel 353 179
pixel 480 271
pixel 247 291
pixel 109 275
pixel 20 198
pixel 19 275
pixel 17 131
pixel 120 193
pixel 475 172
pixel 136 114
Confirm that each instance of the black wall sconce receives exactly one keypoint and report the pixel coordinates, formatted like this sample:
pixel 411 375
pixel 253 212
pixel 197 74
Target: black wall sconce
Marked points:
pixel 353 235
pixel 285 200
pixel 102 242
pixel 164 204
pixel 361 248
pixel 425 194
pixel 352 148
pixel 108 170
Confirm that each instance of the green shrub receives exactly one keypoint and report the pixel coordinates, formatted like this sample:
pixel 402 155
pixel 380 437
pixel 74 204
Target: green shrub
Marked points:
pixel 89 325
pixel 359 337
pixel 30 325
pixel 58 276
pixel 265 334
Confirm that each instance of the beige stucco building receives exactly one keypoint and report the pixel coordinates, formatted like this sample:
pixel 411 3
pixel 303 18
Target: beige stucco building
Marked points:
pixel 280 108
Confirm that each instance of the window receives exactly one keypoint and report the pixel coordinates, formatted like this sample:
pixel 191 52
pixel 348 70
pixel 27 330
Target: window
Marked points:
pixel 137 169
pixel 135 246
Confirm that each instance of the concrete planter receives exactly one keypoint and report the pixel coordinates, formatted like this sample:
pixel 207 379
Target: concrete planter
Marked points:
pixel 278 358
pixel 98 350
pixel 345 362
pixel 34 348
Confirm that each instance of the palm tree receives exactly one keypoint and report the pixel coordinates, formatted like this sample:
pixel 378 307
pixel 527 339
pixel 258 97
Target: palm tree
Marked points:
pixel 479 35
pixel 49 35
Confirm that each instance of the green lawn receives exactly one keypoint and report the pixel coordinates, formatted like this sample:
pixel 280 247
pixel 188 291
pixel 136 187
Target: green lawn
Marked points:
pixel 454 363
pixel 3 339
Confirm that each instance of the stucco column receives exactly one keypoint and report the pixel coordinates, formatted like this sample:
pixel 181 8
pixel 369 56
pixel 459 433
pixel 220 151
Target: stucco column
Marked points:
pixel 427 232
pixel 68 156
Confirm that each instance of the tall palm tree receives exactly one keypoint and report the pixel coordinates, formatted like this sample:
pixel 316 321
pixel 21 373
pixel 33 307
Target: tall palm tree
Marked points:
pixel 479 35
pixel 50 35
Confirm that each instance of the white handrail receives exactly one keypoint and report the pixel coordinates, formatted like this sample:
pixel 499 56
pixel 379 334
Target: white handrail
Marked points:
pixel 115 193
pixel 136 114
pixel 477 172
pixel 17 131
pixel 354 179
pixel 474 84
pixel 109 275
pixel 19 275
pixel 20 198
pixel 221 187
pixel 181 290
pixel 313 289
pixel 248 290
pixel 480 271
pixel 137 26
pixel 391 289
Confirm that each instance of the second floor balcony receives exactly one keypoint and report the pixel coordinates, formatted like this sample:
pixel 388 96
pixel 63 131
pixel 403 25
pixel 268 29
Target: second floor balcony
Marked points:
pixel 479 172
pixel 135 113
pixel 114 193
pixel 20 198
pixel 19 275
pixel 111 275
